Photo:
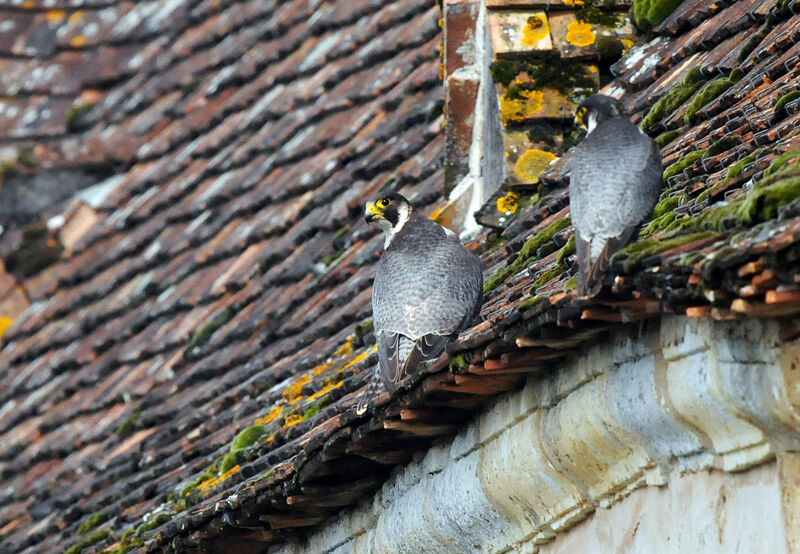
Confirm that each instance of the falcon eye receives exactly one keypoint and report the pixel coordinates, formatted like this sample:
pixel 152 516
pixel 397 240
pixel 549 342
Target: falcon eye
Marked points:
pixel 383 203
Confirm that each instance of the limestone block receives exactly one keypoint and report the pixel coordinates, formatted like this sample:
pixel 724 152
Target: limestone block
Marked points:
pixel 445 513
pixel 583 439
pixel 519 479
pixel 694 389
pixel 637 404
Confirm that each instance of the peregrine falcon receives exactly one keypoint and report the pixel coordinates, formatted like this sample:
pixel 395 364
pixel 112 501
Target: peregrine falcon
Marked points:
pixel 427 288
pixel 614 185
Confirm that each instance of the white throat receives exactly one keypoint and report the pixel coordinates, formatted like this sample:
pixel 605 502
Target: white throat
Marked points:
pixel 403 213
pixel 591 122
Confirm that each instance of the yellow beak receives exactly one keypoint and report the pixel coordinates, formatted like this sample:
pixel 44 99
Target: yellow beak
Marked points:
pixel 372 212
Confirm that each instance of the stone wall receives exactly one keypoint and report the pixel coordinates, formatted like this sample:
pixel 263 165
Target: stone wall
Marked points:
pixel 662 438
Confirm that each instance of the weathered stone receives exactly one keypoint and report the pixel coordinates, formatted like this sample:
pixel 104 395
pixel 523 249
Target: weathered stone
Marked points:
pixel 462 95
pixel 514 33
pixel 641 410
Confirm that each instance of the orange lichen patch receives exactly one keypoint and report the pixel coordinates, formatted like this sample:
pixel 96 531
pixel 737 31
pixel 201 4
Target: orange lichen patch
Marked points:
pixel 29 4
pixel 211 483
pixel 533 163
pixel 535 30
pixel 273 414
pixel 77 41
pixel 517 110
pixel 316 370
pixel 359 358
pixel 346 348
pixel 5 323
pixel 292 419
pixel 436 213
pixel 55 15
pixel 75 17
pixel 580 33
pixel 592 68
pixel 293 392
pixel 627 45
pixel 508 204
pixel 574 3
pixel 324 390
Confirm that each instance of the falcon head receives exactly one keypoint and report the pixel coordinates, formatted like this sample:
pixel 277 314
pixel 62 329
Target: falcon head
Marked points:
pixel 390 212
pixel 597 108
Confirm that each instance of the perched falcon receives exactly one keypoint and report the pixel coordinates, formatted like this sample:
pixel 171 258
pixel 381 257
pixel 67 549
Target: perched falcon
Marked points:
pixel 615 183
pixel 427 288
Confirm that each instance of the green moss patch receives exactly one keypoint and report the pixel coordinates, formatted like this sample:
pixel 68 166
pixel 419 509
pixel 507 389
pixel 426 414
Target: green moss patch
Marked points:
pixel 76 114
pixel 92 521
pixel 710 92
pixel 595 15
pixel 722 145
pixel 676 96
pixel 204 333
pixel 786 98
pixel 563 76
pixel 781 162
pixel 460 362
pixel 665 138
pixel 125 428
pixel 244 440
pixel 684 162
pixel 88 541
pixel 526 254
pixel 639 250
pixel 650 13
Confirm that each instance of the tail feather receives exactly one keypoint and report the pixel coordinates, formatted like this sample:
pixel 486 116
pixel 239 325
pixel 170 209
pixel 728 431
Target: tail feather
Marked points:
pixel 375 387
pixel 592 270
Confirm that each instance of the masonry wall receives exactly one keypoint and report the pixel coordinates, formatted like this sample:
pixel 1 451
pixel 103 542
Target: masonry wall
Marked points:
pixel 674 435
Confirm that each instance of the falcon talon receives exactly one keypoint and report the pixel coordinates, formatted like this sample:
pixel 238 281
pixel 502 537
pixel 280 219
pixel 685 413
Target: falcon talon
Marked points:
pixel 615 183
pixel 427 288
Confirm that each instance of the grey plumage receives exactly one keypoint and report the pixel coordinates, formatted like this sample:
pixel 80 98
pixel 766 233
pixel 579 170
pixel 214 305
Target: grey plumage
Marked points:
pixel 614 185
pixel 427 288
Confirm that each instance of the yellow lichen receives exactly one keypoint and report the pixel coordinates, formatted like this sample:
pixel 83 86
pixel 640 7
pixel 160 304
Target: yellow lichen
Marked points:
pixel 5 323
pixel 535 29
pixel 357 359
pixel 508 204
pixel 77 41
pixel 572 3
pixel 323 391
pixel 293 392
pixel 273 414
pixel 316 370
pixel 29 4
pixel 211 483
pixel 627 45
pixel 55 15
pixel 533 163
pixel 580 33
pixel 436 213
pixel 75 17
pixel 292 419
pixel 517 110
pixel 346 348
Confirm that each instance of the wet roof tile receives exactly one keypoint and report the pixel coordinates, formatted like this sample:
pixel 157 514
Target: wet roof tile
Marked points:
pixel 228 282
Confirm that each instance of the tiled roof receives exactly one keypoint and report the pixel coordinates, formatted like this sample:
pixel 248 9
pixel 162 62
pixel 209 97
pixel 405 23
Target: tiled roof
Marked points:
pixel 186 375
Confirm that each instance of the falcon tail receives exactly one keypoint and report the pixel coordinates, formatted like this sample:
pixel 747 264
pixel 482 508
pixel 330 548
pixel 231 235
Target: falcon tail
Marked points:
pixel 375 387
pixel 399 356
pixel 591 271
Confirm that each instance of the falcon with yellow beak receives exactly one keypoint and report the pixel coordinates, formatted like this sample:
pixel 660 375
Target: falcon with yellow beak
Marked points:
pixel 427 288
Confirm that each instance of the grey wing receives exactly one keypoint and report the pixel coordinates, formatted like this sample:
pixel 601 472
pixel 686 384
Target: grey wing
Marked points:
pixel 614 184
pixel 419 304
